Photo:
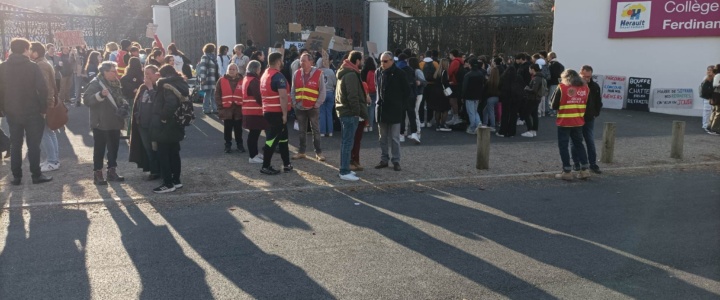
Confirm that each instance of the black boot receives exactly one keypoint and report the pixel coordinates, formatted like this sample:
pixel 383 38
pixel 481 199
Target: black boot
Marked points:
pixel 240 147
pixel 228 148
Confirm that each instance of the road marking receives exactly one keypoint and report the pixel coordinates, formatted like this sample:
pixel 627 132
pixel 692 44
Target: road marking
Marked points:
pixel 340 186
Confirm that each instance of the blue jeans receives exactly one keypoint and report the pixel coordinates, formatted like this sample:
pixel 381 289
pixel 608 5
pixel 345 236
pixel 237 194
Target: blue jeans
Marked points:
pixel 326 113
pixel 472 110
pixel 588 132
pixel 349 125
pixel 565 134
pixel 49 144
pixel 209 104
pixel 371 110
pixel 489 111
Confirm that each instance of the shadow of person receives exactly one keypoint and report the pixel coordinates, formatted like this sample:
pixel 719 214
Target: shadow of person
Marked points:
pixel 47 261
pixel 217 236
pixel 580 257
pixel 412 238
pixel 165 271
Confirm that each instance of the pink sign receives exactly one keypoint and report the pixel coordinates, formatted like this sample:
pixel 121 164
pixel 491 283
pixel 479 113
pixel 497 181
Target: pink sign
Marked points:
pixel 664 18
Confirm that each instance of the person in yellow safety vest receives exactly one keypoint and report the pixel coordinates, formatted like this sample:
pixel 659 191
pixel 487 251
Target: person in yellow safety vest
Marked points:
pixel 570 101
pixel 275 105
pixel 308 94
pixel 123 56
pixel 229 99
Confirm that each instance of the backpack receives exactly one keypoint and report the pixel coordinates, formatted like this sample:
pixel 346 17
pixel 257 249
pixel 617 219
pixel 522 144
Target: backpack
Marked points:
pixel 185 113
pixel 429 71
pixel 546 70
pixel 706 89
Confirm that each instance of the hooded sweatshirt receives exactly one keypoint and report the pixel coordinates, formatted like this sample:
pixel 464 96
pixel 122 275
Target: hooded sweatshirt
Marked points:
pixel 350 95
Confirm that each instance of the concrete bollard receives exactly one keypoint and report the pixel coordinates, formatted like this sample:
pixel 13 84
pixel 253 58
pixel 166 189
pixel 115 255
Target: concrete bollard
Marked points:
pixel 483 148
pixel 678 140
pixel 608 151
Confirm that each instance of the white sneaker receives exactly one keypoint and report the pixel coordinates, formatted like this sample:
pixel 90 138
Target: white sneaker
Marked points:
pixel 492 129
pixel 349 177
pixel 330 134
pixel 534 133
pixel 255 160
pixel 296 126
pixel 415 138
pixel 402 138
pixel 366 129
pixel 49 167
pixel 470 131
pixel 528 134
pixel 520 123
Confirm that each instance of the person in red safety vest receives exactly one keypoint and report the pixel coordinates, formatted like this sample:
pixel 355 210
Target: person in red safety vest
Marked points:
pixel 308 94
pixel 570 101
pixel 123 56
pixel 274 90
pixel 229 98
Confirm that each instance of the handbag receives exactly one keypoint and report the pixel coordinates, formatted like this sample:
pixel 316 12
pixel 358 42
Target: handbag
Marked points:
pixel 57 116
pixel 446 90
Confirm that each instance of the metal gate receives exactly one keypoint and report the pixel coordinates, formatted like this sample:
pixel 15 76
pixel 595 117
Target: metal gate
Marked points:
pixel 97 30
pixel 483 34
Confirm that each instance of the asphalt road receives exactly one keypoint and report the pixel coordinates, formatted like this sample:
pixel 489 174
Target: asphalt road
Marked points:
pixel 646 235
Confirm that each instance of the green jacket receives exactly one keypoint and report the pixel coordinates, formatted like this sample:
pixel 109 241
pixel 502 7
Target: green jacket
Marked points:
pixel 350 98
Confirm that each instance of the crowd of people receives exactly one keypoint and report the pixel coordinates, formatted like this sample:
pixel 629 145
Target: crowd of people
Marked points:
pixel 143 92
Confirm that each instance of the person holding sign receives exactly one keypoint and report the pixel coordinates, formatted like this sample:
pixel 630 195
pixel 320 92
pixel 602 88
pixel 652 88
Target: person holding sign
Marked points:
pixel 308 94
pixel 570 101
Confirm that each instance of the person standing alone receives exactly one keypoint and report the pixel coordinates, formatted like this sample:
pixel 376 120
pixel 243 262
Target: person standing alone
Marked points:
pixel 23 101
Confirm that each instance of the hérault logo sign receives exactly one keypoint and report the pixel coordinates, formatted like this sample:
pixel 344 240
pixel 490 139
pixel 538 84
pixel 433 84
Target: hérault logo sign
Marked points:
pixel 633 16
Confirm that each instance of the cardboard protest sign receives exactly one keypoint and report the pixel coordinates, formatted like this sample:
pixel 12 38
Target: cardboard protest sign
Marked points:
pixel 638 96
pixel 71 38
pixel 326 29
pixel 613 91
pixel 318 41
pixel 342 44
pixel 294 28
pixel 673 98
pixel 372 49
pixel 151 30
pixel 276 50
pixel 299 44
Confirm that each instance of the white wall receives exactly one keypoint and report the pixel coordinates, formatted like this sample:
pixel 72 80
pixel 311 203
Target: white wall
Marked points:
pixel 580 37
pixel 224 15
pixel 161 17
pixel 378 24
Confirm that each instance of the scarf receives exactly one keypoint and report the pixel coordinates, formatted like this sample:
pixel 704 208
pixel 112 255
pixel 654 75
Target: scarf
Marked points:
pixel 347 64
pixel 114 88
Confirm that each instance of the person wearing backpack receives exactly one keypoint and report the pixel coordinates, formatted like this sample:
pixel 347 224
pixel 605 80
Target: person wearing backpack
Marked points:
pixel 207 76
pixel 166 129
pixel 409 105
pixel 536 91
pixel 429 67
pixel 706 93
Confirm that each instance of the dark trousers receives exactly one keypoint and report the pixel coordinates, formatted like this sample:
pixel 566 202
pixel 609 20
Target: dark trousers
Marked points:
pixel 21 127
pixel 409 114
pixel 233 126
pixel 151 154
pixel 169 161
pixel 355 153
pixel 276 136
pixel 508 125
pixel 532 121
pixel 565 134
pixel 588 132
pixel 105 140
pixel 252 142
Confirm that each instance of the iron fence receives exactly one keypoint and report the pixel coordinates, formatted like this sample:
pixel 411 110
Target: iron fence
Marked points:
pixel 97 30
pixel 193 26
pixel 484 34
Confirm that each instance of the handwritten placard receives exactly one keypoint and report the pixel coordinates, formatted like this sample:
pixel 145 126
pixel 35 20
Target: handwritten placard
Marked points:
pixel 613 91
pixel 673 98
pixel 342 44
pixel 151 30
pixel 294 28
pixel 276 50
pixel 71 38
pixel 372 49
pixel 638 96
pixel 326 29
pixel 297 44
pixel 318 41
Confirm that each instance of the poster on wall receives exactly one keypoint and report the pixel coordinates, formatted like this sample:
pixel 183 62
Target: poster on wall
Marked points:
pixel 613 91
pixel 673 98
pixel 638 95
pixel 664 18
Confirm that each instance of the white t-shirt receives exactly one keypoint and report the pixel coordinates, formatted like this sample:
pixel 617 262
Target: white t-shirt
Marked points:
pixel 178 63
pixel 541 62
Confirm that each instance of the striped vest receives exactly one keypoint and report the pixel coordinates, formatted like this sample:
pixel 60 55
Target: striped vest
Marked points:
pixel 230 96
pixel 307 92
pixel 271 99
pixel 573 102
pixel 250 107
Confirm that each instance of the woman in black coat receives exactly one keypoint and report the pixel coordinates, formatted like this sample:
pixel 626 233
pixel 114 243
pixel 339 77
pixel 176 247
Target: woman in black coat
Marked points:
pixel 165 129
pixel 130 83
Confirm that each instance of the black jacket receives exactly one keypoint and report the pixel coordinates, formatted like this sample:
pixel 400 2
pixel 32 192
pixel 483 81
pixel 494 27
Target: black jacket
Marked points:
pixel 556 69
pixel 165 128
pixel 473 85
pixel 393 91
pixel 23 91
pixel 506 83
pixel 594 104
pixel 524 72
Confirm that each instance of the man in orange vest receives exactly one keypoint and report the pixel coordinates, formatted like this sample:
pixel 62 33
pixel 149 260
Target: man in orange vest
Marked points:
pixel 307 94
pixel 570 101
pixel 275 105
